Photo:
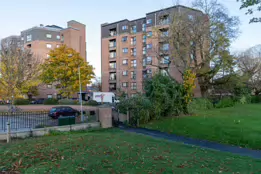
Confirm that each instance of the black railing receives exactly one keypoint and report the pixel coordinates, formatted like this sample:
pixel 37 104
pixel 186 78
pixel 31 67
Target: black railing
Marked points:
pixel 20 121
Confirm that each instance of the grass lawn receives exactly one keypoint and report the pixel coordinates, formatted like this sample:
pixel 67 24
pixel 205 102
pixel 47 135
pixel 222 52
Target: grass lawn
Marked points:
pixel 114 151
pixel 239 125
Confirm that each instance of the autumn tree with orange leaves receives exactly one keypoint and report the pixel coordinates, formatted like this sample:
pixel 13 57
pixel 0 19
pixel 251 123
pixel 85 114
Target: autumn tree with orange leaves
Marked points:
pixel 62 68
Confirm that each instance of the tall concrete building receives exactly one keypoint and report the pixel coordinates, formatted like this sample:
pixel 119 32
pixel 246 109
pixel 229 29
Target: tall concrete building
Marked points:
pixel 41 39
pixel 127 50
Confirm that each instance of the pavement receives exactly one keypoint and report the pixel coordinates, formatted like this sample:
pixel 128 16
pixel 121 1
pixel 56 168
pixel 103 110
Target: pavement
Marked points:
pixel 195 142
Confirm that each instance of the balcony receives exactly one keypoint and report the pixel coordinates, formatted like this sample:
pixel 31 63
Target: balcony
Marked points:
pixel 113 32
pixel 112 80
pixel 112 46
pixel 112 89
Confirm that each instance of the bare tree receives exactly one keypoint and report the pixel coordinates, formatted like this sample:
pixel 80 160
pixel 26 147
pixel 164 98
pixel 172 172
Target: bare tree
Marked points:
pixel 249 65
pixel 197 38
pixel 19 71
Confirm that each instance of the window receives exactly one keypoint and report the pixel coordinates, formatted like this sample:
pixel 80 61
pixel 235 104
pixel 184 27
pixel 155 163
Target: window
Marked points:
pixel 125 62
pixel 49 86
pixel 62 38
pixel 125 50
pixel 192 57
pixel 134 63
pixel 29 38
pixel 133 85
pixel 48 46
pixel 149 34
pixel 133 95
pixel 144 62
pixel 49 96
pixel 165 60
pixel 58 37
pixel 144 38
pixel 149 21
pixel 124 27
pixel 191 17
pixel 49 36
pixel 165 33
pixel 112 76
pixel 125 84
pixel 48 56
pixel 133 75
pixel 57 46
pixel 133 41
pixel 22 38
pixel 112 54
pixel 149 71
pixel 144 51
pixel 149 46
pixel 133 52
pixel 165 47
pixel 113 86
pixel 125 73
pixel 149 61
pixel 124 38
pixel 113 65
pixel 134 29
pixel 144 27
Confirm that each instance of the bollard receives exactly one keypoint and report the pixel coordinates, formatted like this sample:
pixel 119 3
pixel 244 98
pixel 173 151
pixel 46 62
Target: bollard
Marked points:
pixel 8 138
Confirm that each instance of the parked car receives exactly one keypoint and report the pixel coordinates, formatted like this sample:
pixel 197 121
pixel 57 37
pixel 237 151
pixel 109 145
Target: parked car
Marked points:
pixel 39 101
pixel 60 111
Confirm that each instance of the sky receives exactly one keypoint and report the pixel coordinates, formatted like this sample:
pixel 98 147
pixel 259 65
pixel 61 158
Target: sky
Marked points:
pixel 17 15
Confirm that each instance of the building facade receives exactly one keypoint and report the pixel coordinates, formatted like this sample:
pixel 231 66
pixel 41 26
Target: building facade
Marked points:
pixel 41 39
pixel 128 51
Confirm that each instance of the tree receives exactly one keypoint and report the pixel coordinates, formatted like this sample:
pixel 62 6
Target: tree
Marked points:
pixel 198 38
pixel 248 4
pixel 97 85
pixel 249 65
pixel 19 71
pixel 62 69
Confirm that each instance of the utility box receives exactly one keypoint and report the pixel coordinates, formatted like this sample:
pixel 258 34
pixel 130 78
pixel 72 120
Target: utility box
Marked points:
pixel 63 121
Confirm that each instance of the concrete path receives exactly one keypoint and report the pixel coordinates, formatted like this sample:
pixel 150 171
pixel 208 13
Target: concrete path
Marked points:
pixel 190 141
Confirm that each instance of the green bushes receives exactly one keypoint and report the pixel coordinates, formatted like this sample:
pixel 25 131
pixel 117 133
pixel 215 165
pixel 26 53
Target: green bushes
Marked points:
pixel 21 101
pixel 255 99
pixel 199 104
pixel 67 102
pixel 225 102
pixel 50 101
pixel 92 103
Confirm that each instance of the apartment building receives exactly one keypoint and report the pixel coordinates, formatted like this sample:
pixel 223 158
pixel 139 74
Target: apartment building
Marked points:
pixel 128 51
pixel 41 39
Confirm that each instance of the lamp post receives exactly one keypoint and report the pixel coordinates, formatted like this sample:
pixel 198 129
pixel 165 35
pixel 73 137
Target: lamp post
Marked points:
pixel 80 88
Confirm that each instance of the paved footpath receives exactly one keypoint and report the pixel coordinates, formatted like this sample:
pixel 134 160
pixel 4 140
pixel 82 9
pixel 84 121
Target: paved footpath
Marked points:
pixel 190 141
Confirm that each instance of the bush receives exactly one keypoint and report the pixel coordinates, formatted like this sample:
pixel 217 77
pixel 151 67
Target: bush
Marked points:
pixel 50 101
pixel 225 102
pixel 92 103
pixel 67 102
pixel 21 101
pixel 199 104
pixel 255 99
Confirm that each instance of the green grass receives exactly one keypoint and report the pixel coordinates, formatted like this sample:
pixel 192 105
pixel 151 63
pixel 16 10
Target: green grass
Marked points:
pixel 114 151
pixel 239 125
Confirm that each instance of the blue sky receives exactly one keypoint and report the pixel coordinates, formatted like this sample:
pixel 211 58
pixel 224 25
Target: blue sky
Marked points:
pixel 17 15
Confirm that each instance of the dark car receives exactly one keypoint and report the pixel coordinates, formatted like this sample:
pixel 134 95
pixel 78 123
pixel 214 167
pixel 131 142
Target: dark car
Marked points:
pixel 39 101
pixel 61 111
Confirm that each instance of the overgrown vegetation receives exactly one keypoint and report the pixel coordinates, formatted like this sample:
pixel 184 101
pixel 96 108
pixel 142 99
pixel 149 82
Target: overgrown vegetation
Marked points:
pixel 67 102
pixel 21 101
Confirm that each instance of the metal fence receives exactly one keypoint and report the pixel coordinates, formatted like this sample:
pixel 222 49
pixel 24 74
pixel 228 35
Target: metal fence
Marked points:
pixel 37 119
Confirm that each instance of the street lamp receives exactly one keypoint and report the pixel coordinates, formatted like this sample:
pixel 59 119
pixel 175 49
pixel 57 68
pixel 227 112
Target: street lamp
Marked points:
pixel 80 88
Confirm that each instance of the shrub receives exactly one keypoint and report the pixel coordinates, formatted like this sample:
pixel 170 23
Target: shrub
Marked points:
pixel 92 103
pixel 199 104
pixel 21 101
pixel 67 102
pixel 255 99
pixel 225 102
pixel 50 101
